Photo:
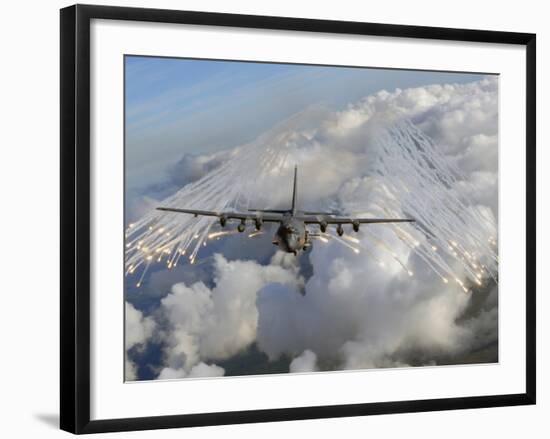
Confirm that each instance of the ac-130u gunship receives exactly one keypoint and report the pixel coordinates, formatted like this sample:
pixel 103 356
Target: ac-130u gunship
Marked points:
pixel 292 234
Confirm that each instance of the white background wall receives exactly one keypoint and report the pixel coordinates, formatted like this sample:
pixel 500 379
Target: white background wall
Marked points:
pixel 29 248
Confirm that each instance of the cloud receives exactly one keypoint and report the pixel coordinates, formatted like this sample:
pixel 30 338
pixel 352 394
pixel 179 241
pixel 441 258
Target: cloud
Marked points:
pixel 306 362
pixel 138 331
pixel 359 310
pixel 130 369
pixel 192 167
pixel 138 328
pixel 203 323
pixel 200 370
pixel 356 315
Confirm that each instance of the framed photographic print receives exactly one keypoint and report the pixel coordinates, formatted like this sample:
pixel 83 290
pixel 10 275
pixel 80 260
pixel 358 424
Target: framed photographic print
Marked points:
pixel 303 218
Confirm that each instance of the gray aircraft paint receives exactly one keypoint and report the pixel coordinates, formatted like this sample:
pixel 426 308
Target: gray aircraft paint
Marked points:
pixel 292 235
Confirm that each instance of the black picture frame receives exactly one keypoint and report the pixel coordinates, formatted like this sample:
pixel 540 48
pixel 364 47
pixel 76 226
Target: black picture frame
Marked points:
pixel 75 217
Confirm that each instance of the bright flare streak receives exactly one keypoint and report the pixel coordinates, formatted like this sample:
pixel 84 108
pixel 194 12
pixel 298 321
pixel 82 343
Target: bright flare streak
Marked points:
pixel 410 174
pixel 143 275
pixel 348 245
pixel 217 234
pixel 352 239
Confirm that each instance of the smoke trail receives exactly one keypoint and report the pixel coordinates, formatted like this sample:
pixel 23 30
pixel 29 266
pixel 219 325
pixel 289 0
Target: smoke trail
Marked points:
pixel 408 176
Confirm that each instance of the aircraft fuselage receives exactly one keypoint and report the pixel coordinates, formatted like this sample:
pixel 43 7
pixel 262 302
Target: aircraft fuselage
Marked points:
pixel 291 236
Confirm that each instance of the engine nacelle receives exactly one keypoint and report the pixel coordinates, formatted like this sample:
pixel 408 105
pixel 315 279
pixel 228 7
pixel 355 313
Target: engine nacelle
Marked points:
pixel 323 226
pixel 223 220
pixel 258 222
pixel 355 225
pixel 241 227
pixel 340 230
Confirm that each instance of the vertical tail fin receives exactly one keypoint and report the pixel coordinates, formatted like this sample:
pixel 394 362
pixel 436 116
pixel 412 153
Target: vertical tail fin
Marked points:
pixel 295 190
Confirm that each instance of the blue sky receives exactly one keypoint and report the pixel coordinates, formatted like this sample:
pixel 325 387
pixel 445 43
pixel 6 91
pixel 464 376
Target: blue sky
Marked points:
pixel 176 106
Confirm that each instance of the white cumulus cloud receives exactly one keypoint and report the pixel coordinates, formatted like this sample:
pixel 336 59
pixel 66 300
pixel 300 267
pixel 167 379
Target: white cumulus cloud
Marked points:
pixel 359 310
pixel 138 331
pixel 217 323
pixel 306 362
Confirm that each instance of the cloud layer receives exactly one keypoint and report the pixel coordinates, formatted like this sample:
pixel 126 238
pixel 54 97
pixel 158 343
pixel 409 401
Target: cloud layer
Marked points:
pixel 138 332
pixel 203 323
pixel 335 309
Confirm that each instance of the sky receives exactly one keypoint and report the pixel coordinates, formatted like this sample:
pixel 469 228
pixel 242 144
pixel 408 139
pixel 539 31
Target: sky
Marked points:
pixel 176 106
pixel 209 134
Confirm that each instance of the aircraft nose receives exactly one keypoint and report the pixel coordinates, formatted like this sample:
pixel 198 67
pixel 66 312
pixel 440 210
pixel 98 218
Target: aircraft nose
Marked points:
pixel 291 241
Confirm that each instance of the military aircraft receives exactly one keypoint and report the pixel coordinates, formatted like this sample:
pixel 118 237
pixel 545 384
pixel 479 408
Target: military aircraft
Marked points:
pixel 292 234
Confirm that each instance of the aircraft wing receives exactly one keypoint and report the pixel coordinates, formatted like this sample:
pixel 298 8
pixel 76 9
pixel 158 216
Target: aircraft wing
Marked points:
pixel 227 215
pixel 318 219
